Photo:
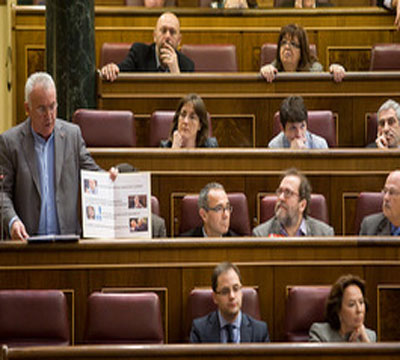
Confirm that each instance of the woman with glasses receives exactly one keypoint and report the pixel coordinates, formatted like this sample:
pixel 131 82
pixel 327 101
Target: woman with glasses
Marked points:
pixel 293 54
pixel 345 314
pixel 190 125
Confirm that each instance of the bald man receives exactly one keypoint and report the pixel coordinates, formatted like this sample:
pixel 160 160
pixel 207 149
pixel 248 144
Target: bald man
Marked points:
pixel 388 221
pixel 161 56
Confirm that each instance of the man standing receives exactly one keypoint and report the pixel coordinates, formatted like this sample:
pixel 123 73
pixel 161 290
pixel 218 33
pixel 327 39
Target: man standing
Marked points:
pixel 42 158
pixel 388 134
pixel 388 221
pixel 160 56
pixel 215 211
pixel 294 120
pixel 228 324
pixel 291 209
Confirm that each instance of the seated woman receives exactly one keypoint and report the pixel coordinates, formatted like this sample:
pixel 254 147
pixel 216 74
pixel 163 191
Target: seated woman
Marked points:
pixel 345 313
pixel 190 125
pixel 293 54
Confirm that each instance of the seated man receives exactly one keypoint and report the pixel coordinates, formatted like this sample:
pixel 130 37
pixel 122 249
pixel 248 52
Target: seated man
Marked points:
pixel 388 221
pixel 294 118
pixel 291 209
pixel 388 134
pixel 215 211
pixel 392 5
pixel 160 56
pixel 228 324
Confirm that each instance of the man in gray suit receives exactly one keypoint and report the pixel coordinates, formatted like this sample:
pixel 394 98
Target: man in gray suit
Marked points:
pixel 41 159
pixel 388 221
pixel 291 209
pixel 228 324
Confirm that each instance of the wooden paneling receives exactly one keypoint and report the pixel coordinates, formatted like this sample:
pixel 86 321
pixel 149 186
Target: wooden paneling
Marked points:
pixel 247 94
pixel 181 265
pixel 389 316
pixel 340 34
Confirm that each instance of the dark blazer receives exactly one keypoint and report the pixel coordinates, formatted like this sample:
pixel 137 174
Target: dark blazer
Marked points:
pixel 207 329
pixel 198 232
pixel 142 57
pixel 22 184
pixel 375 224
pixel 210 142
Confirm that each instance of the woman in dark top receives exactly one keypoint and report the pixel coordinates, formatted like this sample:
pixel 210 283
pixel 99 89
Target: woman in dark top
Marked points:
pixel 190 125
pixel 293 54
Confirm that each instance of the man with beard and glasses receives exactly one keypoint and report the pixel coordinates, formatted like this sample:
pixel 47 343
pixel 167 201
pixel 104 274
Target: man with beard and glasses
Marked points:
pixel 388 221
pixel 291 209
pixel 228 324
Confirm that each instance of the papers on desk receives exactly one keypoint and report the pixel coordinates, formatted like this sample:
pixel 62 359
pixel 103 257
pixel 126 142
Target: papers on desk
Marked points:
pixel 119 209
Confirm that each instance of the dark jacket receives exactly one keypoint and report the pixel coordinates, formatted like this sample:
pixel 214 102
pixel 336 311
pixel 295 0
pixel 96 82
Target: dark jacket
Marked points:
pixel 198 232
pixel 207 329
pixel 142 57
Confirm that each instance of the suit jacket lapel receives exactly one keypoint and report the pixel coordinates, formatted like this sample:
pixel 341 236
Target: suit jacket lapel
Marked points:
pixel 28 145
pixel 245 330
pixel 213 331
pixel 384 226
pixel 59 151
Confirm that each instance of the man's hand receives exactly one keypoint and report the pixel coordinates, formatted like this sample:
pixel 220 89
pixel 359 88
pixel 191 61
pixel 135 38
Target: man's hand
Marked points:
pixel 381 142
pixel 338 72
pixel 169 58
pixel 268 72
pixel 18 231
pixel 396 3
pixel 110 71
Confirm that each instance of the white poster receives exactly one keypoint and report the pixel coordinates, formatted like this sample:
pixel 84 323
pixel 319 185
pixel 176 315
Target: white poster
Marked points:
pixel 116 209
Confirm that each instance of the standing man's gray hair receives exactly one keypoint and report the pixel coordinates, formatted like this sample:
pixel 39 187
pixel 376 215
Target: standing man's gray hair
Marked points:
pixel 37 78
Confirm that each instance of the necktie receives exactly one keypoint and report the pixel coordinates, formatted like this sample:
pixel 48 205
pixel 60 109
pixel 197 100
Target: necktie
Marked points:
pixel 229 331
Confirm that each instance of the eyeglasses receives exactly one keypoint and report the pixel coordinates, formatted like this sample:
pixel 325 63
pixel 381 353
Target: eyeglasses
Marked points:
pixel 287 193
pixel 226 290
pixel 390 192
pixel 220 208
pixel 43 110
pixel 290 43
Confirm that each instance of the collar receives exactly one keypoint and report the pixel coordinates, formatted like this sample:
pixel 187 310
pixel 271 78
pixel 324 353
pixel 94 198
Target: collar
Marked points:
pixel 301 231
pixel 236 323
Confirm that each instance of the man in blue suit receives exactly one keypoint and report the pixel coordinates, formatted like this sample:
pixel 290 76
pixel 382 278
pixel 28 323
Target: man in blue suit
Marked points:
pixel 228 324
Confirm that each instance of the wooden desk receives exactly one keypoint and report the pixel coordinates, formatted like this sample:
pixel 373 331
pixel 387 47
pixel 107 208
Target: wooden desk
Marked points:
pixel 338 174
pixel 216 352
pixel 248 96
pixel 172 268
pixel 343 35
